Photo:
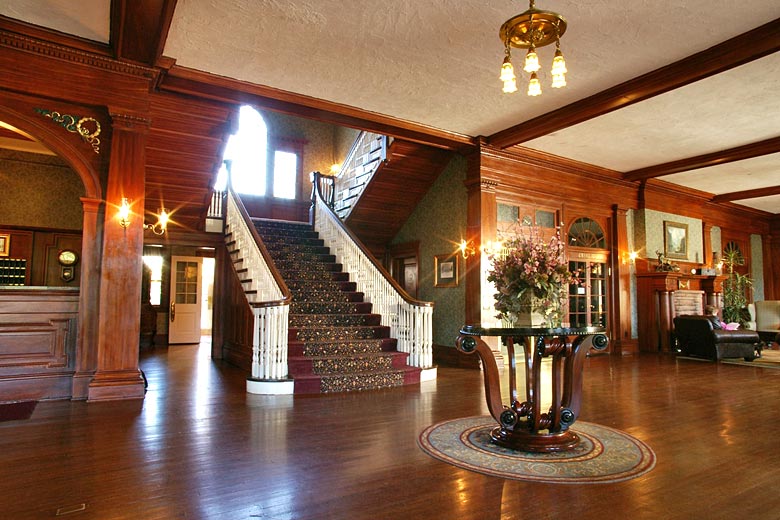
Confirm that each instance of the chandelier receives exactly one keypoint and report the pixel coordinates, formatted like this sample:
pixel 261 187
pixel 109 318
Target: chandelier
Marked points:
pixel 529 30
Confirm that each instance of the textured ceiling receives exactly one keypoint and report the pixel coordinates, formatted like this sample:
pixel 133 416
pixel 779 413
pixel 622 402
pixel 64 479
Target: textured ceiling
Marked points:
pixel 436 63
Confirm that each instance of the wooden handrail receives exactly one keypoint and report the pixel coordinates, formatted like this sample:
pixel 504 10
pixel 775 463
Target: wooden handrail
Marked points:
pixel 316 192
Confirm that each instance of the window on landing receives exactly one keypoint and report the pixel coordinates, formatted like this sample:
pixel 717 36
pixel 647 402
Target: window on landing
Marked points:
pixel 246 155
pixel 285 174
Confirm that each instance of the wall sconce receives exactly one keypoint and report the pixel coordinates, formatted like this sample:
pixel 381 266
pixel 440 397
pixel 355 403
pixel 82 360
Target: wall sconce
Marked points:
pixel 161 225
pixel 465 249
pixel 491 248
pixel 335 169
pixel 124 213
pixel 629 257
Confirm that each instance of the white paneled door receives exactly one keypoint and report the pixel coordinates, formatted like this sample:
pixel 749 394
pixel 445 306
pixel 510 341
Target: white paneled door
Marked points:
pixel 186 298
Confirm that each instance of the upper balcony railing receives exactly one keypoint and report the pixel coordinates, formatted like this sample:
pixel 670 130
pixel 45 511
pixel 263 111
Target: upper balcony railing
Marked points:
pixel 364 158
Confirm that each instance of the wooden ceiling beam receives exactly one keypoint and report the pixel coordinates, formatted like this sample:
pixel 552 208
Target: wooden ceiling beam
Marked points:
pixel 738 153
pixel 139 29
pixel 747 194
pixel 752 45
pixel 202 85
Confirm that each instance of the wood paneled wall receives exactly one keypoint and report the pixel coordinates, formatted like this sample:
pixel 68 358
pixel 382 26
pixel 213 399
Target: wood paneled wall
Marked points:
pixel 37 352
pixel 575 189
pixel 236 318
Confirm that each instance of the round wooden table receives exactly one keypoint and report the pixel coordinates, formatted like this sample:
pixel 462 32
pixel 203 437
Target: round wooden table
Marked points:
pixel 521 424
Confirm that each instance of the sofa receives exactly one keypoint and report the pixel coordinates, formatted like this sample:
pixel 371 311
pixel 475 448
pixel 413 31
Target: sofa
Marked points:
pixel 765 319
pixel 696 336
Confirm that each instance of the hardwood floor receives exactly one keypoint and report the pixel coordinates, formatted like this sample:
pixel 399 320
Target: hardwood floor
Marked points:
pixel 199 447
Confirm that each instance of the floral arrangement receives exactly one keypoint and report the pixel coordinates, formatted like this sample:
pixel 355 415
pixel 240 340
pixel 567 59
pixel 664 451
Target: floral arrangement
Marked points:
pixel 531 273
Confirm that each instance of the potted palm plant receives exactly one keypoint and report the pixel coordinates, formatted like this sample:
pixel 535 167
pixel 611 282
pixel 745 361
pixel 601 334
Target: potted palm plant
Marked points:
pixel 735 288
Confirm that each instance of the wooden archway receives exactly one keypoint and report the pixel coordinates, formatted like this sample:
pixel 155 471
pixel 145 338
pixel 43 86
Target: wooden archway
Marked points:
pixel 67 148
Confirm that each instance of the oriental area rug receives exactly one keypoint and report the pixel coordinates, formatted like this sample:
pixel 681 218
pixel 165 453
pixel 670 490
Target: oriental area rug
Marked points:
pixel 604 455
pixel 768 359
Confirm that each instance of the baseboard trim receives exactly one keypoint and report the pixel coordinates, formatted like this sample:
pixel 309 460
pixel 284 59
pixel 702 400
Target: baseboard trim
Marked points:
pixel 282 387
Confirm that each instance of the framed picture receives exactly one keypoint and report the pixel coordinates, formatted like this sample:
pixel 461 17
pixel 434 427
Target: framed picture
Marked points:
pixel 676 240
pixel 5 244
pixel 446 267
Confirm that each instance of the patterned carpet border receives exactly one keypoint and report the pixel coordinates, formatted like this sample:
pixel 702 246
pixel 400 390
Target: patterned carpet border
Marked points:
pixel 768 359
pixel 604 455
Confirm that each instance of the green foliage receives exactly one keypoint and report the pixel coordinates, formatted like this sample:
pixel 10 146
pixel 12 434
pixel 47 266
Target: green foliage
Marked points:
pixel 735 288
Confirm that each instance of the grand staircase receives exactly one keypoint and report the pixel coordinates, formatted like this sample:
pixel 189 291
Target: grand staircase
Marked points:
pixel 335 343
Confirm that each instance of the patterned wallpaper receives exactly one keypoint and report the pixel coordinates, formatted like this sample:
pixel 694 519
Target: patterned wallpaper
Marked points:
pixel 39 191
pixel 438 222
pixel 322 140
pixel 649 234
pixel 757 266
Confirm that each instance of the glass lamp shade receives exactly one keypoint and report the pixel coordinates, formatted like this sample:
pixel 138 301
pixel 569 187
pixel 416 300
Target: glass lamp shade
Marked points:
pixel 510 86
pixel 558 81
pixel 534 87
pixel 531 61
pixel 559 64
pixel 507 71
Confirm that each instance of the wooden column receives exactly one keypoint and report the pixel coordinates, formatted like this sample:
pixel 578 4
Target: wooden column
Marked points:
pixel 620 319
pixel 117 375
pixel 89 295
pixel 706 233
pixel 480 227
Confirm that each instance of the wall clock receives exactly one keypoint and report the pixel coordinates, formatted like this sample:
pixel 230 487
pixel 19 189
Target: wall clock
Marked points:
pixel 67 257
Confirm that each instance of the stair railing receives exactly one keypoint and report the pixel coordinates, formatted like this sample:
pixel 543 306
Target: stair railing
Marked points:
pixel 368 151
pixel 410 320
pixel 269 299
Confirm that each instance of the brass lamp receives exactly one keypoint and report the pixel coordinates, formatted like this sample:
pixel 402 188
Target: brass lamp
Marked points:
pixel 530 30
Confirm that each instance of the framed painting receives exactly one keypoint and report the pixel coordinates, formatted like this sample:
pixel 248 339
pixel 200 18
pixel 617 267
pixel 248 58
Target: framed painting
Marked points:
pixel 446 270
pixel 5 244
pixel 676 240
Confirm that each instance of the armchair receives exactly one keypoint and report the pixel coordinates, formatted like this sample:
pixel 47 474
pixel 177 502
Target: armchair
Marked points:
pixel 696 336
pixel 765 315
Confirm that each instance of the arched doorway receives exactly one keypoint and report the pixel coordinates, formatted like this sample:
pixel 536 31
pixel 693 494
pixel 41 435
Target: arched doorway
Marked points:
pixel 77 366
pixel 589 257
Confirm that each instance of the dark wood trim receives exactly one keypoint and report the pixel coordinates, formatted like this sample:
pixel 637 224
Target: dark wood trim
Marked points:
pixel 747 194
pixel 530 157
pixel 738 153
pixel 208 86
pixel 139 29
pixel 749 46
pixel 57 38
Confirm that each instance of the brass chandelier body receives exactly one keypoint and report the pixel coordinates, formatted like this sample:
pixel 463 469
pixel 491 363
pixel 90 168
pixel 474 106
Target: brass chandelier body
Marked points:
pixel 529 30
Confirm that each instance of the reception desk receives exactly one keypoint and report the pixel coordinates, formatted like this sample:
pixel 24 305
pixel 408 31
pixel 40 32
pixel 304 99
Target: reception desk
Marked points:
pixel 38 335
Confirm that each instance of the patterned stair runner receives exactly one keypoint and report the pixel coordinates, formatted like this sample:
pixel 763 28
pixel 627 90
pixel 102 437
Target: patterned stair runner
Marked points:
pixel 335 343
